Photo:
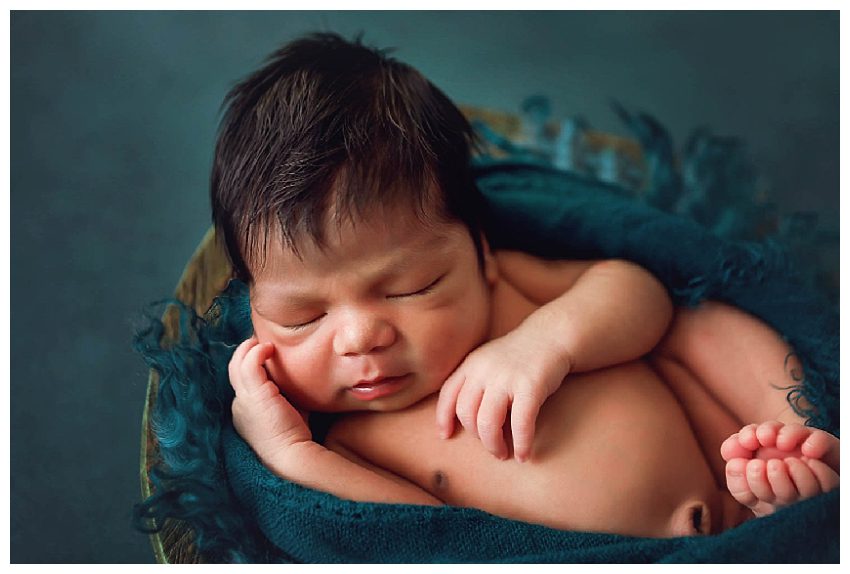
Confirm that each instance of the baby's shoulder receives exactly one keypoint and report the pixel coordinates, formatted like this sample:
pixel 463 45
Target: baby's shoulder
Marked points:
pixel 509 259
pixel 539 279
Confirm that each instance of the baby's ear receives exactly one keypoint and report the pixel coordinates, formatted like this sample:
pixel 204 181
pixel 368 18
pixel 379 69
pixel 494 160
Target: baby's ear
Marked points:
pixel 491 267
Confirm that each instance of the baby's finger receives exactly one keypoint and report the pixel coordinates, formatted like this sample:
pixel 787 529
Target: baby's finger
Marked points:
pixel 447 403
pixel 803 477
pixel 252 371
pixel 524 411
pixel 468 403
pixel 491 422
pixel 827 478
pixel 236 361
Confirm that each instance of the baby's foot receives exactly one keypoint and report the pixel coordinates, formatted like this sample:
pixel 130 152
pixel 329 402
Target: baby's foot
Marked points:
pixel 772 465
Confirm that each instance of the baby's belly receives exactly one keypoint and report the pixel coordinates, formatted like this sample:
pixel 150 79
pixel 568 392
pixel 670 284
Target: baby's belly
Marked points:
pixel 611 446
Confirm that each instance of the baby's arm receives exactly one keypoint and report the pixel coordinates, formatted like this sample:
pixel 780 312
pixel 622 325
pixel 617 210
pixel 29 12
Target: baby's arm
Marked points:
pixel 593 314
pixel 602 312
pixel 283 442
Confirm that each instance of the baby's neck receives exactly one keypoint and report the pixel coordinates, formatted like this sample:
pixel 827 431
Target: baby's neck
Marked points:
pixel 321 423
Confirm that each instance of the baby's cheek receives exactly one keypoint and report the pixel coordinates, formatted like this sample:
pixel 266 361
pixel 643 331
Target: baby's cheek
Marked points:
pixel 283 366
pixel 446 353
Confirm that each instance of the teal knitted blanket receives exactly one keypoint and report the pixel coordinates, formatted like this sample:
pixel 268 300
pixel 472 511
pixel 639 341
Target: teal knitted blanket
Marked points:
pixel 243 512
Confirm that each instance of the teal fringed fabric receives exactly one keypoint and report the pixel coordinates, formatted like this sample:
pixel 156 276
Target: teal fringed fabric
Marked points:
pixel 317 527
pixel 551 214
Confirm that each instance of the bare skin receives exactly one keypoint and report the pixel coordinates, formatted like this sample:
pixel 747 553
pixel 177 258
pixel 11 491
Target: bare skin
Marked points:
pixel 625 444
pixel 765 466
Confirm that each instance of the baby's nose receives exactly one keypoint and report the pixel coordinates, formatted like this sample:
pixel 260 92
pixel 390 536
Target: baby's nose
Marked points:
pixel 362 335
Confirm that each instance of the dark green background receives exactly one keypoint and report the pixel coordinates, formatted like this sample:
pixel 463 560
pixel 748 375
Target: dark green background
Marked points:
pixel 113 120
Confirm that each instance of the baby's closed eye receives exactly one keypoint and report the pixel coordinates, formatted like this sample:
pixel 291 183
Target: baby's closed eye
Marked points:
pixel 303 324
pixel 422 291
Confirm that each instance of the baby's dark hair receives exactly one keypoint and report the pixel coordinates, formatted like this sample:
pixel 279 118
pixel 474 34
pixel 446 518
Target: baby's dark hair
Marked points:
pixel 332 128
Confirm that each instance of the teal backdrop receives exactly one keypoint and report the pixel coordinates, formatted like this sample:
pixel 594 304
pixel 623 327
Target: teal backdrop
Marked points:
pixel 113 118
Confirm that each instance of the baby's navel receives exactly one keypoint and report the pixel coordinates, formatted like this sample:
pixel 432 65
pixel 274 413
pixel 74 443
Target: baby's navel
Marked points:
pixel 440 481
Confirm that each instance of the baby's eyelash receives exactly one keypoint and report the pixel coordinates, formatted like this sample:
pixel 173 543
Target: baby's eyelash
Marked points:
pixel 304 325
pixel 425 290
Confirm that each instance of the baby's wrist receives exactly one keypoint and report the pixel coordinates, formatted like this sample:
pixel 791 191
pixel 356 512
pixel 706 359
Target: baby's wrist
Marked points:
pixel 297 462
pixel 562 361
pixel 271 442
pixel 545 342
pixel 555 369
pixel 285 455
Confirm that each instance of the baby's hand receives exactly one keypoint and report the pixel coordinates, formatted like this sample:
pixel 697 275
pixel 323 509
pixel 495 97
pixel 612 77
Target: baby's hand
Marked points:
pixel 512 372
pixel 772 465
pixel 261 415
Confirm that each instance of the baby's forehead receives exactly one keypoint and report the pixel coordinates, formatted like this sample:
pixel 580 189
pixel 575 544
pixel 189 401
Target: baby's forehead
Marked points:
pixel 395 241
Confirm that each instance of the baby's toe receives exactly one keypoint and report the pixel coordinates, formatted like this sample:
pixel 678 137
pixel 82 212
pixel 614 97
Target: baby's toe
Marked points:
pixel 780 482
pixel 747 437
pixel 732 448
pixel 757 480
pixel 766 432
pixel 827 478
pixel 737 484
pixel 803 477
pixel 823 446
pixel 790 436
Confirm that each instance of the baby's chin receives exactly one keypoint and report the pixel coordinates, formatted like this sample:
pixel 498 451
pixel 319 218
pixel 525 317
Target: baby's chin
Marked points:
pixel 395 403
pixel 404 398
pixel 345 401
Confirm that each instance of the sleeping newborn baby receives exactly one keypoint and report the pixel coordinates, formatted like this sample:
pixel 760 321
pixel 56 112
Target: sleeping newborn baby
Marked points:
pixel 343 191
pixel 566 421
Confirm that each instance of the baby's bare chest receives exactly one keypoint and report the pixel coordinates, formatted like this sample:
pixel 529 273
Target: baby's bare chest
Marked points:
pixel 587 432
